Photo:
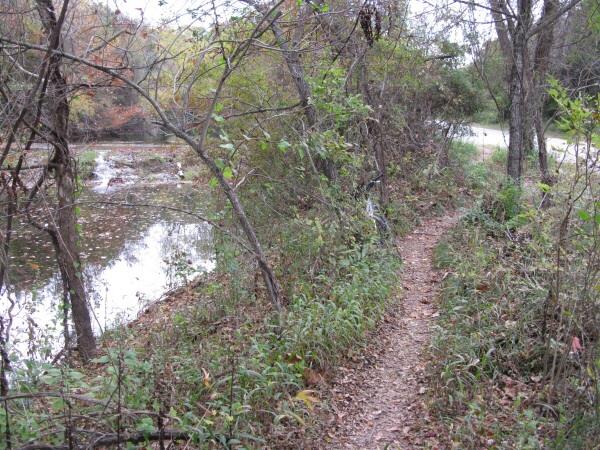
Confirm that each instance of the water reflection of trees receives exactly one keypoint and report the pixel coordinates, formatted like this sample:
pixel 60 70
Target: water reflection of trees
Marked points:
pixel 108 234
pixel 36 321
pixel 183 246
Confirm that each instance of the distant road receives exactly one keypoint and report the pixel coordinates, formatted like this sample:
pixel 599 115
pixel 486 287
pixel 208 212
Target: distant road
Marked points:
pixel 498 137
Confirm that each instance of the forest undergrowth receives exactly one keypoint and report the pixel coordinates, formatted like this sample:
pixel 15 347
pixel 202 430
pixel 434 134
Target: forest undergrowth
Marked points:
pixel 516 355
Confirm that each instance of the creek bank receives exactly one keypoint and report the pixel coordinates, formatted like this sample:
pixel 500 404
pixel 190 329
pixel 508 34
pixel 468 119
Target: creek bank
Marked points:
pixel 110 165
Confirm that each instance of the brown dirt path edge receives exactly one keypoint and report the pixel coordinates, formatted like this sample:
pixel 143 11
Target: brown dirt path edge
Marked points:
pixel 380 403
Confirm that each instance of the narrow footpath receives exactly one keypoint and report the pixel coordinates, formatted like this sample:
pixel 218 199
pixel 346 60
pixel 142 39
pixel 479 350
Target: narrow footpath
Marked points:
pixel 379 403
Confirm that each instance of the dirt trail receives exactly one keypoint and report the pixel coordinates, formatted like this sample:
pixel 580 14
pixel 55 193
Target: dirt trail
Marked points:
pixel 379 403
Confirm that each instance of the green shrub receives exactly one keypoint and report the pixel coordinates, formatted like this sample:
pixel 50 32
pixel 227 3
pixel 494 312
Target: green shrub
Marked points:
pixel 323 329
pixel 505 205
pixel 499 156
pixel 462 153
pixel 86 163
pixel 500 328
pixel 478 177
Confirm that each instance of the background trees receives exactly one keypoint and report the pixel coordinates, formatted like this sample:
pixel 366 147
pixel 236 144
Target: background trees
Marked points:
pixel 530 52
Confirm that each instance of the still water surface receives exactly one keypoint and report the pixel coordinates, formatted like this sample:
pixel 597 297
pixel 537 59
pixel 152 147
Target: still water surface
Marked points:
pixel 131 256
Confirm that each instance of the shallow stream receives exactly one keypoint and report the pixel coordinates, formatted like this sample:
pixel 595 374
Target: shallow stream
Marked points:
pixel 131 255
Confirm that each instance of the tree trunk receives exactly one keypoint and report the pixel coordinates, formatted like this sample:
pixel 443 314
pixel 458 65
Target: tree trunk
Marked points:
pixel 64 236
pixel 546 178
pixel 67 252
pixel 519 123
pixel 374 138
pixel 384 196
pixel 516 119
pixel 443 156
pixel 541 64
pixel 512 28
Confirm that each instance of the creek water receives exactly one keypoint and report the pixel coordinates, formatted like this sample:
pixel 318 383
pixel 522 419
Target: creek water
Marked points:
pixel 130 255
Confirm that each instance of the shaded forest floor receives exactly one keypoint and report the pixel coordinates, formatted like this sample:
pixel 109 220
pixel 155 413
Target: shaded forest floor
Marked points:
pixel 380 401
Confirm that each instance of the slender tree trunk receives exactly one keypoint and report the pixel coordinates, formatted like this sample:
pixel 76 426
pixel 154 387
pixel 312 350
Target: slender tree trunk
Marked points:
pixel 292 60
pixel 541 64
pixel 542 150
pixel 516 119
pixel 374 138
pixel 273 289
pixel 67 253
pixel 384 195
pixel 64 237
pixel 11 209
pixel 444 157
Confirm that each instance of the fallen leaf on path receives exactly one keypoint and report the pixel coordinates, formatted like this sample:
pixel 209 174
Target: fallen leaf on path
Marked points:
pixel 206 378
pixel 576 346
pixel 308 397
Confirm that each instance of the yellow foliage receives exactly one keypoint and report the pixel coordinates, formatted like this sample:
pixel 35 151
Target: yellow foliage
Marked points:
pixel 308 397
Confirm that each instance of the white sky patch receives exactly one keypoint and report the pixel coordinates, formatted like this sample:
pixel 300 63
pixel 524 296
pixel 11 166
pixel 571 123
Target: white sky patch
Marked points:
pixel 175 12
pixel 445 18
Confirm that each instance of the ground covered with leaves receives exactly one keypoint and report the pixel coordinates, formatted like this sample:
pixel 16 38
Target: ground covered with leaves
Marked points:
pixel 516 347
pixel 379 399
